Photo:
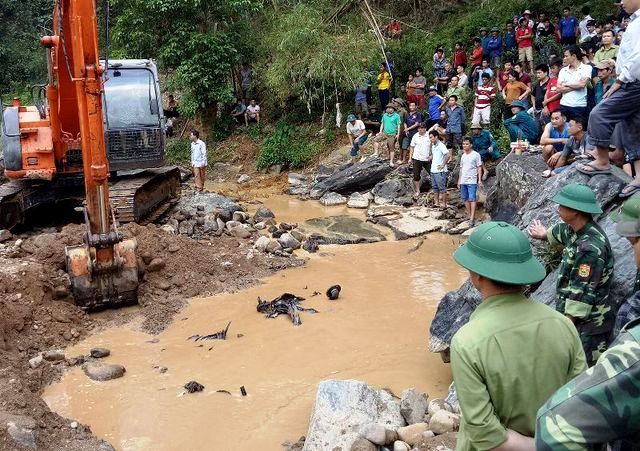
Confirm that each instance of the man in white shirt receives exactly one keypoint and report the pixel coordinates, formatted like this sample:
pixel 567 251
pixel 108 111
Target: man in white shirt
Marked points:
pixel 572 83
pixel 470 178
pixel 582 26
pixel 420 154
pixel 357 133
pixel 198 159
pixel 616 119
pixel 440 157
pixel 252 114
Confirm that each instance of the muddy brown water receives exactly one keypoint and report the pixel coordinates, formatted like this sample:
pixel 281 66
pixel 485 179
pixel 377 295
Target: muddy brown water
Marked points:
pixel 376 332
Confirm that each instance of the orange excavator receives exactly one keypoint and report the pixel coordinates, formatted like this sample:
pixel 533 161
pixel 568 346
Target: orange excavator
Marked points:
pixel 52 145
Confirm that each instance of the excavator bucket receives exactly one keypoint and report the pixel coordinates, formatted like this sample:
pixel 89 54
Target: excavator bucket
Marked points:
pixel 94 289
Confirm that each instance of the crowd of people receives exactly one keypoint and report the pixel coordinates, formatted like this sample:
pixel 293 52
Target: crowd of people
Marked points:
pixel 580 101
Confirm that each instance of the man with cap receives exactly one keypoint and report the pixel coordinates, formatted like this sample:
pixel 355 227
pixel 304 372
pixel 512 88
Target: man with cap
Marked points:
pixel 372 120
pixel 357 133
pixel 627 219
pixel 389 132
pixel 521 125
pixel 495 47
pixel 514 352
pixel 586 270
pixel 483 142
pixel 604 80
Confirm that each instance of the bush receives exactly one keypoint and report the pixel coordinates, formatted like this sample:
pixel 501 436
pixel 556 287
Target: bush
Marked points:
pixel 178 151
pixel 289 144
pixel 222 128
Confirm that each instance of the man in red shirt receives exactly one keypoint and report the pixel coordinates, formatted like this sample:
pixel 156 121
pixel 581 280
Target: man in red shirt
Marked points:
pixel 459 56
pixel 524 38
pixel 551 100
pixel 503 75
pixel 476 58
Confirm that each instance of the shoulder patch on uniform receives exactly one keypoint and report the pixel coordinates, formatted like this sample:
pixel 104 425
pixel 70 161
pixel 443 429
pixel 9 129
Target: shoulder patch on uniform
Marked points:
pixel 584 270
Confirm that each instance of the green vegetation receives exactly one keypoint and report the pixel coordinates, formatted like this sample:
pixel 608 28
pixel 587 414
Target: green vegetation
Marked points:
pixel 289 144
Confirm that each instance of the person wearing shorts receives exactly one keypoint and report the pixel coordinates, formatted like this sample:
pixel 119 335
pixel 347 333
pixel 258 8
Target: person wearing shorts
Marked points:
pixel 485 93
pixel 440 157
pixel 420 154
pixel 470 178
pixel 524 37
pixel 411 122
pixel 389 132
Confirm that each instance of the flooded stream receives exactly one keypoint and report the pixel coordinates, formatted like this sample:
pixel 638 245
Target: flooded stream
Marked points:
pixel 376 332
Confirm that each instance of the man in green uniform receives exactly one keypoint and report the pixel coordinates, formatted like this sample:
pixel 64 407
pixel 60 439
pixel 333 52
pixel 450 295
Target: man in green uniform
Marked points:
pixel 513 353
pixel 586 271
pixel 602 405
pixel 627 220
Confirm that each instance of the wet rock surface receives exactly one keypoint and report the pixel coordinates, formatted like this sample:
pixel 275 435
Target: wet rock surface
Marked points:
pixel 99 371
pixel 342 410
pixel 340 230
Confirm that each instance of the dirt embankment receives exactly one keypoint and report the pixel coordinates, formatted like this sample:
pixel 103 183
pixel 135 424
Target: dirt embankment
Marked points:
pixel 37 314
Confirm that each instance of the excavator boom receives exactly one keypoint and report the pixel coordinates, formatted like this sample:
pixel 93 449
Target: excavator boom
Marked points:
pixel 103 271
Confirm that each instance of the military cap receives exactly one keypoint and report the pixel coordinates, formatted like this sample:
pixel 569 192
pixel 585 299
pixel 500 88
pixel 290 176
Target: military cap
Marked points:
pixel 519 104
pixel 578 197
pixel 500 252
pixel 627 217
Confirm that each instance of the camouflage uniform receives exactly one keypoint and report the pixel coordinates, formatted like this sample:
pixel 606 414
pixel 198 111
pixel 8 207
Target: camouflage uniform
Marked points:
pixel 583 284
pixel 599 406
pixel 630 309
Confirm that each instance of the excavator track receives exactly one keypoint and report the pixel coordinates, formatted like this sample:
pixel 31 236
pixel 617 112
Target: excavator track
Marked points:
pixel 141 197
pixel 144 197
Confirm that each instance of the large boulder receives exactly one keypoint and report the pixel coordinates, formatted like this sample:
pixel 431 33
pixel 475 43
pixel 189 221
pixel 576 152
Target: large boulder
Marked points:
pixel 411 222
pixel 209 203
pixel 340 230
pixel 456 307
pixel 517 177
pixel 358 177
pixel 330 198
pixel 393 190
pixel 343 409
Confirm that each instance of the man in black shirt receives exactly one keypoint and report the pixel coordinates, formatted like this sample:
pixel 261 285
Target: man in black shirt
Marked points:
pixel 538 93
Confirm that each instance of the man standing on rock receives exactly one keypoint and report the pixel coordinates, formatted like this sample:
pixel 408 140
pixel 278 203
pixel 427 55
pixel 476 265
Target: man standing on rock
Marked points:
pixel 389 132
pixel 586 270
pixel 420 154
pixel 198 160
pixel 440 157
pixel 470 178
pixel 514 353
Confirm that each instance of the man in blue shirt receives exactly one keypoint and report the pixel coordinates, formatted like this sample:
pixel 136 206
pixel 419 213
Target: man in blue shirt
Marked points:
pixel 510 42
pixel 361 99
pixel 484 40
pixel 568 28
pixel 455 122
pixel 435 101
pixel 495 47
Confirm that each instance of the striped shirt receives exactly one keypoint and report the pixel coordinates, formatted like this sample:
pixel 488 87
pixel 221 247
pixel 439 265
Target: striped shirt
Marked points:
pixel 484 94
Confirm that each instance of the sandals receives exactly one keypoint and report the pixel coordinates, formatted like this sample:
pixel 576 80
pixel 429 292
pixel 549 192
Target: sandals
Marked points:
pixel 629 190
pixel 593 170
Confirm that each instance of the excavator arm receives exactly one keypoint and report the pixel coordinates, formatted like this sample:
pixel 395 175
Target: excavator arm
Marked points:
pixel 103 271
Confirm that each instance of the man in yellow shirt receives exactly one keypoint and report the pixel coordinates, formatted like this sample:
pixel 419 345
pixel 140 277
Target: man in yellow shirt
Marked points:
pixel 384 85
pixel 514 353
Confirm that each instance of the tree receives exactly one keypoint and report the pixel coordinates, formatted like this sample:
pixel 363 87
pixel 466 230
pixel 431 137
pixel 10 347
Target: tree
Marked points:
pixel 22 58
pixel 196 41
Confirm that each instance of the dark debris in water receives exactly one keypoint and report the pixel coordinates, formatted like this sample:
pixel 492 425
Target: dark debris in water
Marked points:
pixel 334 292
pixel 193 386
pixel 221 335
pixel 285 304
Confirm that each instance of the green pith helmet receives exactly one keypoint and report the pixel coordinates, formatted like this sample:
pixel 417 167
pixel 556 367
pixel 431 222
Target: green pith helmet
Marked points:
pixel 578 197
pixel 627 217
pixel 351 117
pixel 500 252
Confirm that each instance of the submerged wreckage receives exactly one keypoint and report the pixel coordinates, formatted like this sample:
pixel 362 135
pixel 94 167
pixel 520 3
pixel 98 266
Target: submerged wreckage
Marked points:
pixel 285 304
